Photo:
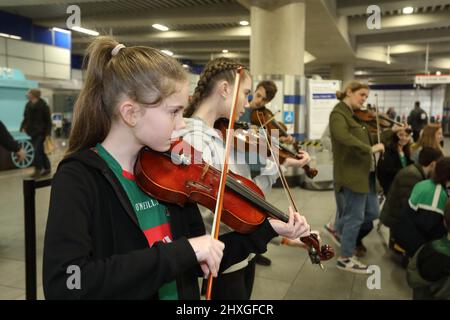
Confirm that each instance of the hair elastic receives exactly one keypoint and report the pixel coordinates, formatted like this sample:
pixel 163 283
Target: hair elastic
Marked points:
pixel 117 49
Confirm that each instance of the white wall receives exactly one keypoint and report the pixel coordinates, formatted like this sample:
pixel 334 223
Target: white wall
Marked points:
pixel 431 101
pixel 34 59
pixel 193 79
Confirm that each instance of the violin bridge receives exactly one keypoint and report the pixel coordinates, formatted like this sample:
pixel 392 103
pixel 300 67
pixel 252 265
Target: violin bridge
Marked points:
pixel 205 170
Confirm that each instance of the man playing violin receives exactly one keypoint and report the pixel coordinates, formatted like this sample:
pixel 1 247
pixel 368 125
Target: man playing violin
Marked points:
pixel 264 93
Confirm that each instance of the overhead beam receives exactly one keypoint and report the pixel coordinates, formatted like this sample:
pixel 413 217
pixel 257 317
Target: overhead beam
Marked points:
pixel 424 36
pixel 210 14
pixel 24 3
pixel 199 46
pixel 398 49
pixel 358 25
pixel 359 7
pixel 237 33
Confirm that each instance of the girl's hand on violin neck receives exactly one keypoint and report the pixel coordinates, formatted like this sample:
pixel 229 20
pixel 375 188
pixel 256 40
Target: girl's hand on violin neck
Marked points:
pixel 295 228
pixel 298 163
pixel 379 147
pixel 208 252
pixel 294 243
pixel 287 139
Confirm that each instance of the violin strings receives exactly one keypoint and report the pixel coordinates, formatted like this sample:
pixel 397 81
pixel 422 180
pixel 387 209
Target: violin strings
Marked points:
pixel 248 193
pixel 255 198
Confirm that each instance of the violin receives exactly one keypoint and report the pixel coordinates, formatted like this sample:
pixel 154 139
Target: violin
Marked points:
pixel 245 139
pixel 248 140
pixel 180 175
pixel 370 118
pixel 263 117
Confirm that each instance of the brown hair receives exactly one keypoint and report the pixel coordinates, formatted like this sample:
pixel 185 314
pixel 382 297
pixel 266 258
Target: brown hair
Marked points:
pixel 406 148
pixel 143 74
pixel 442 171
pixel 353 86
pixel 215 70
pixel 35 93
pixel 428 136
pixel 270 87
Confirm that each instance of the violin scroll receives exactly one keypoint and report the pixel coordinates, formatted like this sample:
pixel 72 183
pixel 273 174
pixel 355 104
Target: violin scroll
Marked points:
pixel 317 253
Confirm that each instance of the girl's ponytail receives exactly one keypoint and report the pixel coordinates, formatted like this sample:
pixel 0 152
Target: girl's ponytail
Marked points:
pixel 142 74
pixel 91 118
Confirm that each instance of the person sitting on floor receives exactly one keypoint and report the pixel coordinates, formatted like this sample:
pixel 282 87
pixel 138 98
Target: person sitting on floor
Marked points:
pixel 401 189
pixel 429 270
pixel 422 219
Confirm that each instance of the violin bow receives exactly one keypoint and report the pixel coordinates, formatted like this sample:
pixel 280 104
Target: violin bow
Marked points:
pixel 280 173
pixel 284 182
pixel 270 119
pixel 223 176
pixel 377 118
pixel 378 121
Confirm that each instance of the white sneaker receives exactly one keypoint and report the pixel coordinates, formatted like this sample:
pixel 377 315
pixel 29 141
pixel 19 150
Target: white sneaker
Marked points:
pixel 352 265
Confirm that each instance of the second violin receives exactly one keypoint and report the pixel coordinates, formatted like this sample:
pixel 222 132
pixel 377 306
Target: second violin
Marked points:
pixel 264 118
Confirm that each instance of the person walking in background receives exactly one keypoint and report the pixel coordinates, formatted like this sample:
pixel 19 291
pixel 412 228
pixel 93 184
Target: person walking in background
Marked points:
pixel 391 113
pixel 37 124
pixel 418 119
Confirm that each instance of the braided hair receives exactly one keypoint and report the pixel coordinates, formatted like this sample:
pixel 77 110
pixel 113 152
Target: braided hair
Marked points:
pixel 215 70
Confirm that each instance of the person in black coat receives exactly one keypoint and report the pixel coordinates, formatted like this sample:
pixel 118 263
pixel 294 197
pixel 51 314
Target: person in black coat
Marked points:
pixel 396 157
pixel 37 124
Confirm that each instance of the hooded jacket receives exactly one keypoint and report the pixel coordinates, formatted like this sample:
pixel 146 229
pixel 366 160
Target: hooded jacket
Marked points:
pixel 92 227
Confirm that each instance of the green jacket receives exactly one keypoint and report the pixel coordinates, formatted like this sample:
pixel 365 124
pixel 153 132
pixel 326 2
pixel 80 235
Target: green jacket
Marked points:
pixel 352 152
pixel 399 193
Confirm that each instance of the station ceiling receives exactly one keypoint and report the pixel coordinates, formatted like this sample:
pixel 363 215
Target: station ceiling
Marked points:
pixel 336 31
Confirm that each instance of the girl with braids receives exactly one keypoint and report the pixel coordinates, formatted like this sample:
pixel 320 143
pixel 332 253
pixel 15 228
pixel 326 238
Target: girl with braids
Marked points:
pixel 210 102
pixel 105 238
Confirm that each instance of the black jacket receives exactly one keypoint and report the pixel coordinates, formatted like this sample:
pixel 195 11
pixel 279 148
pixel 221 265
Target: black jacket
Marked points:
pixel 91 224
pixel 415 228
pixel 399 192
pixel 36 119
pixel 6 140
pixel 388 167
pixel 417 119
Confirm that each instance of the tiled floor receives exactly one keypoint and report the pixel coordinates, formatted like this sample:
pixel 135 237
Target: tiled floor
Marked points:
pixel 291 275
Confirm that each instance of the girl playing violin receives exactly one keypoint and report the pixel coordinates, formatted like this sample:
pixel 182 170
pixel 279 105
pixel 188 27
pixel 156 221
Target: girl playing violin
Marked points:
pixel 210 102
pixel 105 238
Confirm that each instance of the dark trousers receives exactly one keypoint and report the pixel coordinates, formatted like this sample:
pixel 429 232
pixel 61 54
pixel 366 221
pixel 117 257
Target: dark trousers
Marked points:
pixel 41 160
pixel 416 135
pixel 237 285
pixel 365 229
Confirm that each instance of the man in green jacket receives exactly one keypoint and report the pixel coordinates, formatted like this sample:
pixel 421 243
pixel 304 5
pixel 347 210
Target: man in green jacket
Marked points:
pixel 354 172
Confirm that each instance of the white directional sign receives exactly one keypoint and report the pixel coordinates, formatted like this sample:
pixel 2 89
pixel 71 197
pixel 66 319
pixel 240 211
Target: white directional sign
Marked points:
pixel 432 79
